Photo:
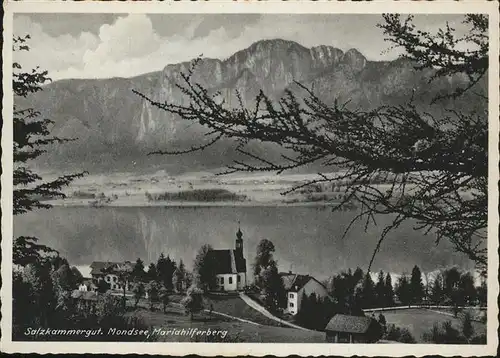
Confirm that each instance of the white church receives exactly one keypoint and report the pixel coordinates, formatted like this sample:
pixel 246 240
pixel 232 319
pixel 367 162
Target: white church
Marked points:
pixel 231 269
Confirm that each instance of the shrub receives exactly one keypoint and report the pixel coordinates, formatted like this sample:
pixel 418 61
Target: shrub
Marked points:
pixel 193 302
pixel 479 339
pixel 445 334
pixel 164 296
pixel 107 308
pixel 153 290
pixel 398 334
pixel 139 291
pixel 467 329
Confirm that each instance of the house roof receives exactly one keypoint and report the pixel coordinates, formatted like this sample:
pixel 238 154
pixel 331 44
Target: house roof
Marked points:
pixel 348 324
pixel 294 282
pixel 84 295
pixel 228 261
pixel 97 267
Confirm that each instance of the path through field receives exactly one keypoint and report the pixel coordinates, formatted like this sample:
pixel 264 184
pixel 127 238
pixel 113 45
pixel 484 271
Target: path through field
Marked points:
pixel 268 314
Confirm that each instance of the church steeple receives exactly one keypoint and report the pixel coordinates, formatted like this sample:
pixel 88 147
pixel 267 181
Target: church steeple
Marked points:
pixel 239 240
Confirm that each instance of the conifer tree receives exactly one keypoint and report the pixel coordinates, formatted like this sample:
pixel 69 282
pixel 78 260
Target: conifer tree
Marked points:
pixel 389 290
pixel 152 273
pixel 204 268
pixel 416 285
pixel 403 290
pixel 161 265
pixel 179 279
pixel 380 290
pixel 138 271
pixel 437 290
pixel 31 139
pixel 263 258
pixel 368 296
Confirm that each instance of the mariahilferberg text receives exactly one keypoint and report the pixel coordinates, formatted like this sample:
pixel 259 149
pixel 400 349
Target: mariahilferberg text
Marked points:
pixel 190 332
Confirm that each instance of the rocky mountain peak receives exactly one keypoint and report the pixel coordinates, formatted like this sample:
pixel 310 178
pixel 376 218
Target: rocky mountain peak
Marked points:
pixel 275 44
pixel 326 55
pixel 354 59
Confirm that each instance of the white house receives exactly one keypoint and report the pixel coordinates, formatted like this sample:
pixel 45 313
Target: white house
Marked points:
pixel 296 286
pixel 87 286
pixel 110 273
pixel 231 269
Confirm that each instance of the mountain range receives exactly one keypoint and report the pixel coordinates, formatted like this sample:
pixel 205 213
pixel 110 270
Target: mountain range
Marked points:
pixel 115 129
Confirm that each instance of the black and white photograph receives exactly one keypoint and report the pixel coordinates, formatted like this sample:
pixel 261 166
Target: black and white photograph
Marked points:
pixel 252 178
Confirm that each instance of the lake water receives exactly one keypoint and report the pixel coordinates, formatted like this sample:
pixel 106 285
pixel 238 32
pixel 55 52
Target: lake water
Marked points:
pixel 307 239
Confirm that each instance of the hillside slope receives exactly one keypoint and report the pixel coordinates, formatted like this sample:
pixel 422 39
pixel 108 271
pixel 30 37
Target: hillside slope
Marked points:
pixel 116 128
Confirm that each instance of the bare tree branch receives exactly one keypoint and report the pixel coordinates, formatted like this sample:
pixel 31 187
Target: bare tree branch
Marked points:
pixel 396 160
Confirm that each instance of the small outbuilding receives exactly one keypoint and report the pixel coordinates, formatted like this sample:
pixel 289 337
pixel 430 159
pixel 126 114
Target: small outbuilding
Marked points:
pixel 352 329
pixel 85 299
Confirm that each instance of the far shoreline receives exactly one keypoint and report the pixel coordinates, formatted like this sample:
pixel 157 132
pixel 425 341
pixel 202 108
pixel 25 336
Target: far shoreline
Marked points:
pixel 192 204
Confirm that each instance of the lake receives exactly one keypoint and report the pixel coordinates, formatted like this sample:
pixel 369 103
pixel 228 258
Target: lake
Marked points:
pixel 308 239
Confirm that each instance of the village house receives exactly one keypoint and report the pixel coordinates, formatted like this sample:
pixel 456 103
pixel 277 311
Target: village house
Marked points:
pixel 110 272
pixel 180 285
pixel 352 329
pixel 87 286
pixel 85 300
pixel 296 286
pixel 231 266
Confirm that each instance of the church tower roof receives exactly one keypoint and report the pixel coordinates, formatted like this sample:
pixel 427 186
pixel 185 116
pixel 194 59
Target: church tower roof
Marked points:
pixel 239 234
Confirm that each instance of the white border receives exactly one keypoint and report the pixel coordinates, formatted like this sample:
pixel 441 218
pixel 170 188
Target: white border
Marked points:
pixel 256 349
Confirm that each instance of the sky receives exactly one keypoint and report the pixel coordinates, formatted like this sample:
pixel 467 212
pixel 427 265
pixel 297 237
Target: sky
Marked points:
pixel 126 45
